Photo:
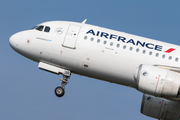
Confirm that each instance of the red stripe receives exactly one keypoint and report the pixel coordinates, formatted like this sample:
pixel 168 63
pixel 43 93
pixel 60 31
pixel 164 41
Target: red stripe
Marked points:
pixel 170 50
pixel 156 85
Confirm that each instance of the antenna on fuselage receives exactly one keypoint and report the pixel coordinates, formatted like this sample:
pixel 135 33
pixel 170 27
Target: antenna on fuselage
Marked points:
pixel 84 21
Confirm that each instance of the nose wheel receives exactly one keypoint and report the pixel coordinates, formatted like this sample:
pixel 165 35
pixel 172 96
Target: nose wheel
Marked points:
pixel 60 90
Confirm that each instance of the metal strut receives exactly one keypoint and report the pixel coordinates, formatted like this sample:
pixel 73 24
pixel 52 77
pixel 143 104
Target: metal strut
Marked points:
pixel 64 81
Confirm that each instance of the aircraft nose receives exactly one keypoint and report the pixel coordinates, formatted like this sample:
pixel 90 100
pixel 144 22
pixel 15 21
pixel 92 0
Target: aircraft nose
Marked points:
pixel 13 41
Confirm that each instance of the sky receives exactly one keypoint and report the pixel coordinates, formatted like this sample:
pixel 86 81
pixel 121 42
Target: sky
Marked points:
pixel 27 93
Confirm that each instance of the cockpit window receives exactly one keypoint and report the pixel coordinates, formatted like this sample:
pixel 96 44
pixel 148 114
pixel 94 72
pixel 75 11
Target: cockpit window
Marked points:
pixel 40 28
pixel 47 29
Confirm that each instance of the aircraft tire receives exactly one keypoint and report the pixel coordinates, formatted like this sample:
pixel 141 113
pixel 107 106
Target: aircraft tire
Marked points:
pixel 59 91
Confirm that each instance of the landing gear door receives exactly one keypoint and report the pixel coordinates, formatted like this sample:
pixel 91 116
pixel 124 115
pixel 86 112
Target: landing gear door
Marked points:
pixel 71 36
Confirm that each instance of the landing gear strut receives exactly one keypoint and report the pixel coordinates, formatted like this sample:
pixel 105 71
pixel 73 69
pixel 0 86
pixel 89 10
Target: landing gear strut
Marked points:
pixel 59 91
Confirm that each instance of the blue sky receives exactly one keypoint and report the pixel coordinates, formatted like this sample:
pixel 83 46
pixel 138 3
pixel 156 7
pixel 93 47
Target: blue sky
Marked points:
pixel 27 93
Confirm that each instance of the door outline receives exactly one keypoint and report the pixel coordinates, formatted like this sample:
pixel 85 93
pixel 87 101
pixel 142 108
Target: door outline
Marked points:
pixel 71 36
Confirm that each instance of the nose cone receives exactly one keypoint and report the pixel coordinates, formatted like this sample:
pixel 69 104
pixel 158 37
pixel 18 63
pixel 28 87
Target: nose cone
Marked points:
pixel 13 41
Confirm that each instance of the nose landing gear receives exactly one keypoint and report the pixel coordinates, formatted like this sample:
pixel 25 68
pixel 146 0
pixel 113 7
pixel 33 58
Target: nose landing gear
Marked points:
pixel 60 90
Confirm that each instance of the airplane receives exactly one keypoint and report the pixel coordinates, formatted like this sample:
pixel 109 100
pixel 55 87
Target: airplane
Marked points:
pixel 150 66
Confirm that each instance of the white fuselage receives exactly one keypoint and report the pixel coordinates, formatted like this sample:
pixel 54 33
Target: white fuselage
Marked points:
pixel 94 51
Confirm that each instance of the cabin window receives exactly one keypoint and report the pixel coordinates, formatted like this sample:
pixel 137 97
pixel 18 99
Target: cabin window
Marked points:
pixel 85 37
pixel 105 42
pixel 144 51
pixel 176 59
pixel 117 45
pixel 137 50
pixel 131 48
pixel 170 57
pixel 40 28
pixel 163 56
pixel 98 41
pixel 111 44
pixel 47 29
pixel 124 47
pixel 157 54
pixel 150 53
pixel 92 39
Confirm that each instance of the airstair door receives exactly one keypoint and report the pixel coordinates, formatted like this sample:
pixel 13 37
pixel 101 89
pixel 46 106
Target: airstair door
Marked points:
pixel 71 36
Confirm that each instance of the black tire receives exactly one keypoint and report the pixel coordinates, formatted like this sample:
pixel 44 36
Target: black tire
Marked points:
pixel 59 91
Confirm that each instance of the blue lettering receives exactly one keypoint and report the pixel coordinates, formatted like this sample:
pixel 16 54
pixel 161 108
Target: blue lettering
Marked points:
pixel 97 33
pixel 148 44
pixel 121 38
pixel 142 44
pixel 91 31
pixel 131 41
pixel 113 36
pixel 158 47
pixel 104 34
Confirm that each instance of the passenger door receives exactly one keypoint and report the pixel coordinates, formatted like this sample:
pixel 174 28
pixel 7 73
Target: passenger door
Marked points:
pixel 71 36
